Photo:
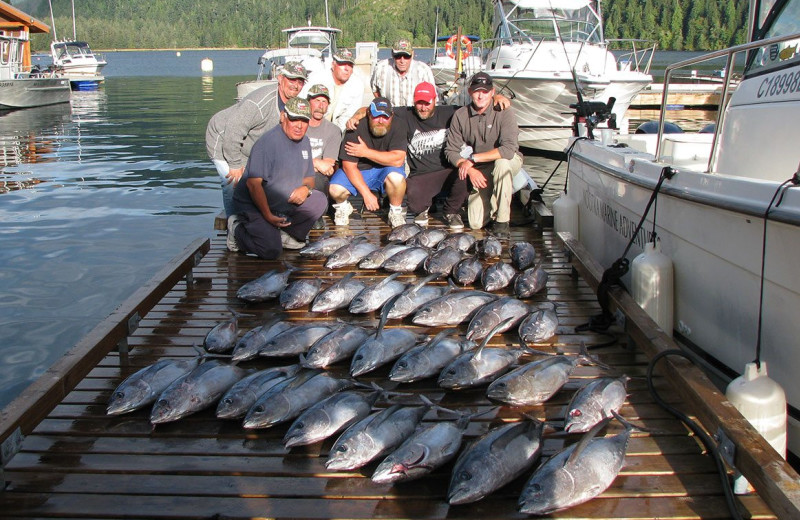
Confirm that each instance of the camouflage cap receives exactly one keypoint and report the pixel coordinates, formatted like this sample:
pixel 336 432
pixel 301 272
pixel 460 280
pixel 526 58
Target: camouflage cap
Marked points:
pixel 298 108
pixel 318 90
pixel 294 69
pixel 403 47
pixel 344 56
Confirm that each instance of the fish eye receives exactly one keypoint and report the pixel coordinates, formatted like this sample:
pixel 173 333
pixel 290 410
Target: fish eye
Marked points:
pixel 465 475
pixel 402 364
pixel 227 400
pixel 119 395
pixel 536 488
pixel 341 449
pixel 259 409
pixel 162 402
pixel 575 413
pixel 300 425
pixel 359 357
pixel 451 372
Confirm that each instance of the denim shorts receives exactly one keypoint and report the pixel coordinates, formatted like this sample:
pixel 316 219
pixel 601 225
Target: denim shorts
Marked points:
pixel 374 177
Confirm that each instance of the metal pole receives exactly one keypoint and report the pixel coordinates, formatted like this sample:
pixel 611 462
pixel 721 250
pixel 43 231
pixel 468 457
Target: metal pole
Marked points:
pixel 52 20
pixel 74 32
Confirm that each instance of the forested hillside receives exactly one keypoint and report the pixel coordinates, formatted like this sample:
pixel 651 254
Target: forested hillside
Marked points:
pixel 117 24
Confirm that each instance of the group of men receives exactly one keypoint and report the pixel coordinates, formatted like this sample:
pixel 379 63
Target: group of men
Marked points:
pixel 285 142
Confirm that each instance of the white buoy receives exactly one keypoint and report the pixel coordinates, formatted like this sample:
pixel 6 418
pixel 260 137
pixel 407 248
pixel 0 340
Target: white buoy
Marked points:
pixel 652 285
pixel 761 401
pixel 178 54
pixel 565 215
pixel 207 65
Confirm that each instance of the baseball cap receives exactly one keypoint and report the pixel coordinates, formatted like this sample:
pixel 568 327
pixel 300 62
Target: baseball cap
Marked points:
pixel 425 91
pixel 403 47
pixel 481 81
pixel 298 108
pixel 344 56
pixel 380 106
pixel 294 69
pixel 318 90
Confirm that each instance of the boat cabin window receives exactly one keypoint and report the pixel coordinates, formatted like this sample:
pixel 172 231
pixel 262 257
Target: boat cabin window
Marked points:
pixel 572 25
pixel 784 20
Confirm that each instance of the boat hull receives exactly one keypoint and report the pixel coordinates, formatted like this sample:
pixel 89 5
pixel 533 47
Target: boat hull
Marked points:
pixel 33 92
pixel 711 227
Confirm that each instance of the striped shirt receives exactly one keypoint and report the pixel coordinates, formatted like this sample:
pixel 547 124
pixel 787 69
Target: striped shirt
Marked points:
pixel 399 89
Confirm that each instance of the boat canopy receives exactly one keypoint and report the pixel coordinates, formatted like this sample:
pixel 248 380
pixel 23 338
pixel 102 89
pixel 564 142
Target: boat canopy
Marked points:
pixel 551 4
pixel 535 20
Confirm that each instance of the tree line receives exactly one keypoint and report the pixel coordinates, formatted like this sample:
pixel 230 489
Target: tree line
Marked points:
pixel 159 24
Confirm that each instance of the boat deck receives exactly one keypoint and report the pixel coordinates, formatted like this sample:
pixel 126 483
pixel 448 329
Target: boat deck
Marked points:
pixel 79 463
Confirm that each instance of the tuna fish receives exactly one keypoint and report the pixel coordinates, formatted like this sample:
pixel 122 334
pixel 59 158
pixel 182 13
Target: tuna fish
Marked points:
pixel 493 313
pixel 373 298
pixel 296 340
pixel 489 247
pixel 198 389
pixel 530 281
pixel 428 237
pixel 255 339
pixel 374 436
pixel 495 459
pixel 386 346
pixel 576 474
pixel 416 295
pixel 338 295
pixel 404 232
pixel 300 293
pixel 539 326
pixel 377 258
pixel 222 337
pixel 329 416
pixel 452 308
pixel 523 255
pixel 267 286
pixel 408 260
pixel 341 343
pixel 480 366
pixel 326 245
pixel 594 402
pixel 466 271
pixel 497 276
pixel 288 399
pixel 429 358
pixel 141 389
pixel 242 395
pixel 428 448
pixel 442 261
pixel 350 254
pixel 533 383
pixel 461 241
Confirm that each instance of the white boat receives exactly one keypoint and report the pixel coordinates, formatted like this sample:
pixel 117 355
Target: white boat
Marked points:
pixel 21 87
pixel 75 61
pixel 544 52
pixel 444 62
pixel 313 46
pixel 710 216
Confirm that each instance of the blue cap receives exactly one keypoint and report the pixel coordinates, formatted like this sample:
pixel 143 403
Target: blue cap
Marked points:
pixel 380 106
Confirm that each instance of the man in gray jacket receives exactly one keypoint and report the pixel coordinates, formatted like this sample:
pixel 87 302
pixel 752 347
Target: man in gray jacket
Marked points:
pixel 483 144
pixel 232 132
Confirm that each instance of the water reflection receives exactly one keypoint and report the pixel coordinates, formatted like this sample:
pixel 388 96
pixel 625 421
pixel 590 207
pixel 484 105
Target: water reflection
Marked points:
pixel 208 86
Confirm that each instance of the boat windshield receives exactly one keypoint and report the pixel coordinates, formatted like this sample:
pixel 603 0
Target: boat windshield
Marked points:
pixel 572 25
pixel 73 49
pixel 784 19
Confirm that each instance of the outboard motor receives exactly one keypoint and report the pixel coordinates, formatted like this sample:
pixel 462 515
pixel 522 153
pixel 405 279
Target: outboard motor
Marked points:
pixel 592 113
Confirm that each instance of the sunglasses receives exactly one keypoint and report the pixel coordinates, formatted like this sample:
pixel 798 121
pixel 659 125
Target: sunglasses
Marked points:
pixel 401 56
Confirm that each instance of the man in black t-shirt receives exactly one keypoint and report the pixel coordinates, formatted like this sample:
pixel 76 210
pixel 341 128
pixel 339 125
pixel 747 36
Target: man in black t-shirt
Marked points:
pixel 372 158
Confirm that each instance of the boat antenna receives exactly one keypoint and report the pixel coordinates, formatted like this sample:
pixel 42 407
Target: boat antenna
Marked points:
pixel 582 108
pixel 52 19
pixel 74 32
pixel 327 20
pixel 435 35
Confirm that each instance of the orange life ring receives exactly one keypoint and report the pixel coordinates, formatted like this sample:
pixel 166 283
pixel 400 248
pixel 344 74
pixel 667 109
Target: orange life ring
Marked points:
pixel 466 47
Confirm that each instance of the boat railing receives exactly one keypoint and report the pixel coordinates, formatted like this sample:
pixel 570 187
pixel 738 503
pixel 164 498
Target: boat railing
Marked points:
pixel 730 55
pixel 633 54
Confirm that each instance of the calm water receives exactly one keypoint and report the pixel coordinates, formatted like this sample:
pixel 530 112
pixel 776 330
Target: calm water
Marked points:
pixel 97 196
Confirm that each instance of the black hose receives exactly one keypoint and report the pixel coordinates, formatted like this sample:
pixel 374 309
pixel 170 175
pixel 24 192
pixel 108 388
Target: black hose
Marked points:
pixel 707 441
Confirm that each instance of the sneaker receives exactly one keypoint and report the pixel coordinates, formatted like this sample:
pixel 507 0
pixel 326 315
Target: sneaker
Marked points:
pixel 421 218
pixel 289 242
pixel 454 221
pixel 319 224
pixel 230 241
pixel 342 215
pixel 396 218
pixel 499 229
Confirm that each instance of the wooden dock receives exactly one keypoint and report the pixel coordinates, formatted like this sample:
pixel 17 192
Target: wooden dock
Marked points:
pixel 76 462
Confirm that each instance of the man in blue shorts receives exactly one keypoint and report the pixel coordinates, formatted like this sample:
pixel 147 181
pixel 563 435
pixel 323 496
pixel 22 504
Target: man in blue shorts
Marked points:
pixel 372 158
pixel 276 205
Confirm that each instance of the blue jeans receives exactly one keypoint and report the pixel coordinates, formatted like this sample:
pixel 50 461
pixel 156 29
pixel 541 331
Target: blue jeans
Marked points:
pixel 227 187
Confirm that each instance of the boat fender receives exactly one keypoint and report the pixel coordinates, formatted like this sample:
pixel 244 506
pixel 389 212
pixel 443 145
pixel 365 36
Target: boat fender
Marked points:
pixel 651 127
pixel 207 65
pixel 566 215
pixel 652 285
pixel 466 46
pixel 761 401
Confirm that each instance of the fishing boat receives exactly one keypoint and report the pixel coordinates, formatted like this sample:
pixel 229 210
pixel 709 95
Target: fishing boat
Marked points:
pixel 546 54
pixel 75 61
pixel 313 46
pixel 21 86
pixel 728 209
